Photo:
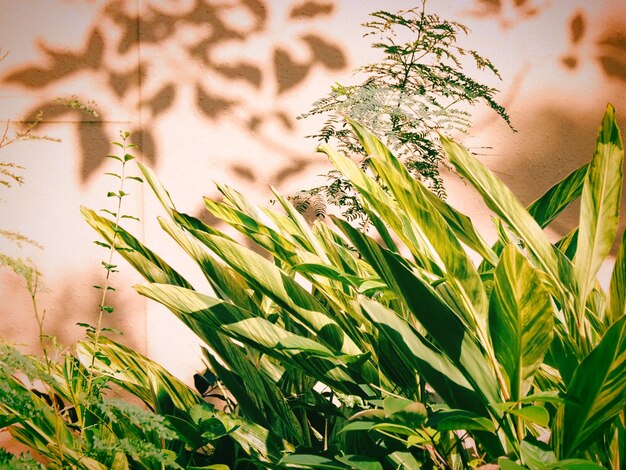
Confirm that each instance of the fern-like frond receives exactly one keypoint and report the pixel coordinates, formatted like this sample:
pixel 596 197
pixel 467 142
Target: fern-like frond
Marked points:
pixel 418 88
pixel 18 238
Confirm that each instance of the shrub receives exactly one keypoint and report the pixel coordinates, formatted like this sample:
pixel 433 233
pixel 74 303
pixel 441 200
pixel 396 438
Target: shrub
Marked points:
pixel 402 351
pixel 63 409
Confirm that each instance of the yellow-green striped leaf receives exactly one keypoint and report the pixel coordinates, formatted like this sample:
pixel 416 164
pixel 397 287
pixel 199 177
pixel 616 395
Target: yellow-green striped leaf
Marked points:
pixel 144 260
pixel 441 323
pixel 502 201
pixel 520 319
pixel 546 208
pixel 599 213
pixel 394 174
pixel 284 290
pixel 617 289
pixel 599 390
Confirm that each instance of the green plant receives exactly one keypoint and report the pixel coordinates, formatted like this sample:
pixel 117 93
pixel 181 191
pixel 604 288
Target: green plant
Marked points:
pixel 206 437
pixel 97 330
pixel 61 408
pixel 64 406
pixel 403 352
pixel 46 405
pixel 9 461
pixel 417 89
pixel 9 170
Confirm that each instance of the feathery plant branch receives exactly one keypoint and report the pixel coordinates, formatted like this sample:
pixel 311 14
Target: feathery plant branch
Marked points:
pixel 32 278
pixel 417 89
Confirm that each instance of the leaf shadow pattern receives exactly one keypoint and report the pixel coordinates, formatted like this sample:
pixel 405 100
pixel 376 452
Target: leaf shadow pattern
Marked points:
pixel 84 308
pixel 91 133
pixel 69 300
pixel 296 164
pixel 612 54
pixel 609 47
pixel 126 44
pixel 61 63
pixel 508 12
pixel 610 43
pixel 577 31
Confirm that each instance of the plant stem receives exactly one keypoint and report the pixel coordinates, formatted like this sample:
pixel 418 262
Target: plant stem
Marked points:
pixel 107 281
pixel 304 422
pixel 39 318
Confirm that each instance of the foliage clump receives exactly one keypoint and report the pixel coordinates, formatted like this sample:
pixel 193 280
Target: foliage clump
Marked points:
pixel 10 461
pixel 399 350
pixel 61 406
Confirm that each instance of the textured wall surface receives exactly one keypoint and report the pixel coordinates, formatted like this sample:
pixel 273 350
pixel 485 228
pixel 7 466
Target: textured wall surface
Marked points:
pixel 210 90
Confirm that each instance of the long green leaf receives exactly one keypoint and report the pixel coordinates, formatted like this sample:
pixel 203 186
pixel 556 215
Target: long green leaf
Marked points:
pixel 229 285
pixel 520 319
pixel 567 245
pixel 546 208
pixel 273 241
pixel 387 208
pixel 599 214
pixel 146 380
pixel 406 351
pixel 144 260
pixel 237 200
pixel 441 323
pixel 202 313
pixel 599 388
pixel 617 289
pixel 136 373
pixel 157 188
pixel 459 223
pixel 226 283
pixel 502 201
pixel 284 290
pixel 305 234
pixel 465 291
pixel 257 397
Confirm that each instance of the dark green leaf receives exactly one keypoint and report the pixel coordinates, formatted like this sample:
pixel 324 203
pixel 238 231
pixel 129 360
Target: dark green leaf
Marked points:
pixel 599 385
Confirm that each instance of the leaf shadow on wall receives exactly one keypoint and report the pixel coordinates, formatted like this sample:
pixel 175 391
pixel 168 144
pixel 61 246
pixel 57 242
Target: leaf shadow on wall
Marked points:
pixel 111 56
pixel 609 44
pixel 508 12
pixel 609 47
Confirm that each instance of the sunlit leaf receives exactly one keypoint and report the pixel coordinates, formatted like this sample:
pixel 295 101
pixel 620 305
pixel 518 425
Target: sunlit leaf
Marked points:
pixel 599 214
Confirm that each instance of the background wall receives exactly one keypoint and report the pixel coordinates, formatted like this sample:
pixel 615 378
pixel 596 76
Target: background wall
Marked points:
pixel 211 89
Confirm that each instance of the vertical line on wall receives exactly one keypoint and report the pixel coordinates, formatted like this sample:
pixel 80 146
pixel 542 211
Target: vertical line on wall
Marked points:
pixel 146 341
